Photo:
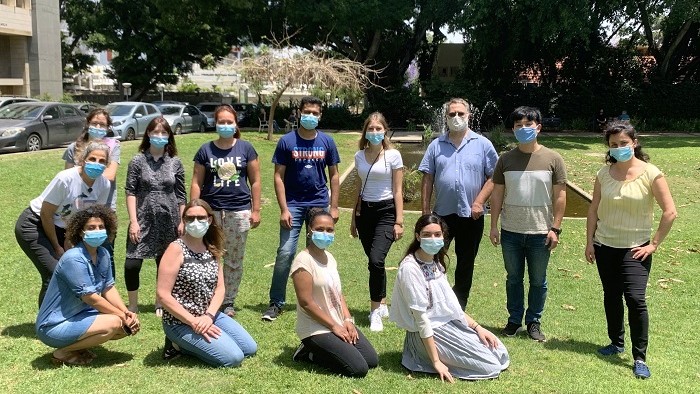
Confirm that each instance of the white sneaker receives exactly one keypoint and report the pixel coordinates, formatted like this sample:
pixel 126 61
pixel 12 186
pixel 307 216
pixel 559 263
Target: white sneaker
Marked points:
pixel 375 321
pixel 383 310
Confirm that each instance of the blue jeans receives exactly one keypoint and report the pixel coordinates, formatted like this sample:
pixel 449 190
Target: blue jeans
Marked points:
pixel 228 350
pixel 285 255
pixel 517 249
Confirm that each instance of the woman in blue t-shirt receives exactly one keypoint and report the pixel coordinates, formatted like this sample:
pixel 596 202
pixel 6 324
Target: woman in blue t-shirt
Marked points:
pixel 227 176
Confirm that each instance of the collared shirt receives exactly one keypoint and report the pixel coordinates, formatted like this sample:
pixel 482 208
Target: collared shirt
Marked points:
pixel 459 172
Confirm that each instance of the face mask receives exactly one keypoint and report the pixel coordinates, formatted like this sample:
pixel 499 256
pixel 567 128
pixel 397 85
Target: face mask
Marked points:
pixel 96 133
pixel 431 246
pixel 226 130
pixel 93 170
pixel 623 153
pixel 159 142
pixel 457 124
pixel 197 228
pixel 322 239
pixel 526 134
pixel 95 238
pixel 374 138
pixel 308 121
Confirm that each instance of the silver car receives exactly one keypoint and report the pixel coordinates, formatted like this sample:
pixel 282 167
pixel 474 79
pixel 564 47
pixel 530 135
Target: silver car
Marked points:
pixel 184 118
pixel 130 118
pixel 31 126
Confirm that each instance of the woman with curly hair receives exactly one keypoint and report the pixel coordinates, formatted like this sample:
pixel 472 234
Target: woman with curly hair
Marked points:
pixel 191 289
pixel 82 308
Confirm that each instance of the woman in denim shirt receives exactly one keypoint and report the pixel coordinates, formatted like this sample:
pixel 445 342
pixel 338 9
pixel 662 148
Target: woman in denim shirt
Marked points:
pixel 82 308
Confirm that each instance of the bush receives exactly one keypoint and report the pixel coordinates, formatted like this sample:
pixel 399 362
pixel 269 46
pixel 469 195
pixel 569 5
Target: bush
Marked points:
pixel 412 179
pixel 340 118
pixel 400 106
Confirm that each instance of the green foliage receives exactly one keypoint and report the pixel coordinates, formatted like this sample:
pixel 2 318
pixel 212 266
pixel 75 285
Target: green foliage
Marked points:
pixel 187 86
pixel 412 179
pixel 400 105
pixel 340 118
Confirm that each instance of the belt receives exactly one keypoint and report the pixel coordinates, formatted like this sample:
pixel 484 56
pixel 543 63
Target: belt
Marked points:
pixel 378 204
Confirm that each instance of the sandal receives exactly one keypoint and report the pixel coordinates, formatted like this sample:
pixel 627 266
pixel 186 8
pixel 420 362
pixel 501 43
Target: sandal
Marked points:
pixel 75 359
pixel 169 350
pixel 88 354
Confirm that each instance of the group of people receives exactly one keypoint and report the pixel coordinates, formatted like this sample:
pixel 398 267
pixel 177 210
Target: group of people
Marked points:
pixel 68 233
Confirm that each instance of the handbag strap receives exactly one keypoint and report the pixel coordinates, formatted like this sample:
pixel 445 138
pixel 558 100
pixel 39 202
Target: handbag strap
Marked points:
pixel 370 170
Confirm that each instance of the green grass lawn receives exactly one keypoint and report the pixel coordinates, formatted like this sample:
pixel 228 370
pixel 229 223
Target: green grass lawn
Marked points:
pixel 573 320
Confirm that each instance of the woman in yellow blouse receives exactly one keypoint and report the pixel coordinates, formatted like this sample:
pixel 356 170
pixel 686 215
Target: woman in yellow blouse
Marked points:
pixel 619 239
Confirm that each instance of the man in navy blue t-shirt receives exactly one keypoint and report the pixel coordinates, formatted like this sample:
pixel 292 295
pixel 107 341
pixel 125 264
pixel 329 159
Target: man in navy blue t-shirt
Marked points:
pixel 300 159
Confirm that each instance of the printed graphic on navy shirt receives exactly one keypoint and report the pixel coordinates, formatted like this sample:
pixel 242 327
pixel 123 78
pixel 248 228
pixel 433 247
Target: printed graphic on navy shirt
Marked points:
pixel 225 184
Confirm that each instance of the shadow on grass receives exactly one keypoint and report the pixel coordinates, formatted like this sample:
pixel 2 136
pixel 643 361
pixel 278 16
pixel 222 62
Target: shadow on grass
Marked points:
pixel 262 307
pixel 155 359
pixel 584 348
pixel 104 359
pixel 24 330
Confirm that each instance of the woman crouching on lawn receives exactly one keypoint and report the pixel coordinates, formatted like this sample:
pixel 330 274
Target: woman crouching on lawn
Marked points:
pixel 440 337
pixel 191 289
pixel 328 334
pixel 82 308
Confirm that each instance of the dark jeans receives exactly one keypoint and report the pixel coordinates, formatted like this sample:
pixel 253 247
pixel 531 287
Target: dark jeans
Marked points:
pixel 132 269
pixel 467 234
pixel 329 351
pixel 622 275
pixel 375 226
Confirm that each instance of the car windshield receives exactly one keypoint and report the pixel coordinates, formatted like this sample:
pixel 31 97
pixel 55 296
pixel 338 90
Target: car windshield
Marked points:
pixel 170 109
pixel 20 111
pixel 208 108
pixel 119 110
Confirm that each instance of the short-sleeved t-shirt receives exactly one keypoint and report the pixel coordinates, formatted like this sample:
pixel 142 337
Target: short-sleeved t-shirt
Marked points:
pixel 306 161
pixel 378 186
pixel 529 179
pixel 115 152
pixel 222 194
pixel 69 193
pixel 326 292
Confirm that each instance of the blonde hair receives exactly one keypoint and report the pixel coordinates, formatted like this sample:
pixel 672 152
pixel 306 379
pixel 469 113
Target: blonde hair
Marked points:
pixel 379 118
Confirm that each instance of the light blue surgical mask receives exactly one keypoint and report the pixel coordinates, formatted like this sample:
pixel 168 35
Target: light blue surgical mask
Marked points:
pixel 526 134
pixel 226 130
pixel 308 121
pixel 623 153
pixel 322 239
pixel 197 228
pixel 93 170
pixel 159 142
pixel 97 133
pixel 432 246
pixel 374 138
pixel 95 238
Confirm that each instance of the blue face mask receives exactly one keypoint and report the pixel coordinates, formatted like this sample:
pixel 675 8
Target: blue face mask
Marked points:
pixel 431 246
pixel 226 130
pixel 623 153
pixel 96 133
pixel 95 238
pixel 308 121
pixel 322 239
pixel 159 142
pixel 93 170
pixel 526 134
pixel 374 138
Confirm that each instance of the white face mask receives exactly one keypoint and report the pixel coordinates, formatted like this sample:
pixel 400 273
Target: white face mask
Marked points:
pixel 457 124
pixel 197 228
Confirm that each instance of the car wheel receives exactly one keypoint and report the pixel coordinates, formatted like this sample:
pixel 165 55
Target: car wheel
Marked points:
pixel 178 129
pixel 130 134
pixel 33 143
pixel 202 127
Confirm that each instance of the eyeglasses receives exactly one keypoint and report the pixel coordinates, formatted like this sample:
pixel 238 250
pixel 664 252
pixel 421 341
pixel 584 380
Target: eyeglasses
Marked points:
pixel 453 114
pixel 191 218
pixel 100 125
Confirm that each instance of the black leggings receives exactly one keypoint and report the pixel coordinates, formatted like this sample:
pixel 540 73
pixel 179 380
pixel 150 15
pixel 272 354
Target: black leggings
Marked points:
pixel 375 227
pixel 329 351
pixel 132 269
pixel 621 275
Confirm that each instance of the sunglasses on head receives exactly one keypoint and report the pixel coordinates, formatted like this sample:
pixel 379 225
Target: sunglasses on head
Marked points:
pixel 191 218
pixel 453 114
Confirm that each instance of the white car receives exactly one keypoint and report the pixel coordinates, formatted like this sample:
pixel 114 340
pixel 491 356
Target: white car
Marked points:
pixel 130 118
pixel 184 118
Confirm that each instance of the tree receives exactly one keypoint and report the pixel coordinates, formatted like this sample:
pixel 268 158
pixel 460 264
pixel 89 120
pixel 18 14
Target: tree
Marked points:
pixel 79 15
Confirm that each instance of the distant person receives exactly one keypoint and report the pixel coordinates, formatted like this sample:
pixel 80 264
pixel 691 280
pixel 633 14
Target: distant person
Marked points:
pixel 623 117
pixel 618 230
pixel 301 159
pixel 458 166
pixel 600 121
pixel 155 200
pixel 378 214
pixel 325 326
pixel 440 337
pixel 82 308
pixel 529 196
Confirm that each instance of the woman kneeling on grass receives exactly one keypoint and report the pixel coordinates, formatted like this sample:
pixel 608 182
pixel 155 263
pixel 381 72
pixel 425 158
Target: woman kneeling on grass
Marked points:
pixel 191 289
pixel 82 308
pixel 440 337
pixel 328 334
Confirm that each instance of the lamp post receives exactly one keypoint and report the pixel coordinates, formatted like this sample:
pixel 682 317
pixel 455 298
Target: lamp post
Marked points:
pixel 161 88
pixel 127 90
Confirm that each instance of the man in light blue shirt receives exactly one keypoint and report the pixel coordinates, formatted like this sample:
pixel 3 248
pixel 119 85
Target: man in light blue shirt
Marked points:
pixel 459 166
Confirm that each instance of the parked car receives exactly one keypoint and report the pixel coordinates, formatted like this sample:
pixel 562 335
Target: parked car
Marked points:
pixel 130 118
pixel 7 100
pixel 85 107
pixel 247 114
pixel 31 126
pixel 208 109
pixel 184 118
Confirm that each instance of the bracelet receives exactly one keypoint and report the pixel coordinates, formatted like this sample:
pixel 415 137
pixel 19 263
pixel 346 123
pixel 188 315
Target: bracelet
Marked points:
pixel 210 316
pixel 350 319
pixel 475 326
pixel 398 224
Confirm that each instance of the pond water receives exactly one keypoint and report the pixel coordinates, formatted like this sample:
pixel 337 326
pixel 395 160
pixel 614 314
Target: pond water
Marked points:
pixel 576 204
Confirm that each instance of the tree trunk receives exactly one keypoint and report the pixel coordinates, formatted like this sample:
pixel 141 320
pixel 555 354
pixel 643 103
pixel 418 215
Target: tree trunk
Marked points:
pixel 273 107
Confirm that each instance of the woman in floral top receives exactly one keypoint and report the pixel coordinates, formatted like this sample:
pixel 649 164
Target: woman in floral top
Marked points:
pixel 191 289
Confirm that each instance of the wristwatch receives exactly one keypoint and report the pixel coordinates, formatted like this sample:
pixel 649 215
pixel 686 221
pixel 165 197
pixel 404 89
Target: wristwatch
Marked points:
pixel 556 231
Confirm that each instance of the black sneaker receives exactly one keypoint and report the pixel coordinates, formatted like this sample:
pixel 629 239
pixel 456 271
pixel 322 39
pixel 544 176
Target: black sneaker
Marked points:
pixel 272 313
pixel 169 351
pixel 301 354
pixel 533 330
pixel 510 329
